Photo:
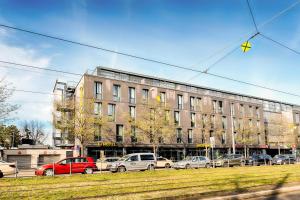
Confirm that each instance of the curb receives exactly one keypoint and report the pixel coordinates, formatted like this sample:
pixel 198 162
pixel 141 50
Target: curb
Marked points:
pixel 253 195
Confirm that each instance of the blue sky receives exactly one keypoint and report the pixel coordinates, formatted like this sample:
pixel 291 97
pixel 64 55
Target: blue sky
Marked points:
pixel 180 32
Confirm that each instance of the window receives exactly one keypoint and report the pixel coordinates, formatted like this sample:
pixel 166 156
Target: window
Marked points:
pixel 250 123
pixel 119 135
pixel 224 122
pixel 223 139
pixel 179 135
pixel 241 124
pixel 133 134
pixel 232 111
pixel 111 111
pixel 258 138
pixel 131 95
pixel 258 124
pixel 97 108
pixel 133 158
pixel 180 101
pixel 132 112
pixel 193 120
pixel 257 112
pixel 242 110
pixel 147 157
pixel 167 116
pixel 212 121
pixel 234 123
pixel 297 118
pixel 203 136
pixel 177 118
pixel 190 136
pixel 97 90
pixel 220 107
pixel 214 104
pixel 162 96
pixel 251 111
pixel 145 94
pixel 116 92
pixel 97 132
pixel 192 103
pixel 199 103
pixel 204 120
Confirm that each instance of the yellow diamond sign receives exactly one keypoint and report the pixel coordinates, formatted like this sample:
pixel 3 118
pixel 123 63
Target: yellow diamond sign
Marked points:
pixel 246 46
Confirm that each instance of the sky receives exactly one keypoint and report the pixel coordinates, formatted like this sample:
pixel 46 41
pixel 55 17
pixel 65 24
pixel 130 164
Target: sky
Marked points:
pixel 188 33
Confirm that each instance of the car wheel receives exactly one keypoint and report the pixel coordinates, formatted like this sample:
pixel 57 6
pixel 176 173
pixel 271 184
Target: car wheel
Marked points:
pixel 122 169
pixel 1 174
pixel 150 167
pixel 284 163
pixel 167 165
pixel 207 165
pixel 88 171
pixel 48 172
pixel 188 166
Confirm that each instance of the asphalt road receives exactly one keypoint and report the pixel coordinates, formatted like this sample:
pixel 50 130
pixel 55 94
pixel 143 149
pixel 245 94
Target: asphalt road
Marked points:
pixel 285 196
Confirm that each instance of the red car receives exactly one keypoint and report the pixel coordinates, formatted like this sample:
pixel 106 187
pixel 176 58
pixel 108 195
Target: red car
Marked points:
pixel 84 165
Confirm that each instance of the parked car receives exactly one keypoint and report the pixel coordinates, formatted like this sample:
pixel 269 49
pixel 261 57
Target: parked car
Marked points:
pixel 84 165
pixel 229 160
pixel 105 163
pixel 261 159
pixel 284 159
pixel 192 162
pixel 7 168
pixel 135 161
pixel 164 163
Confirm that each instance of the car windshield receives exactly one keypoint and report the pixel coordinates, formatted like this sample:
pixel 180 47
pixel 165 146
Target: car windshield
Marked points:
pixel 188 158
pixel 124 158
pixel 225 157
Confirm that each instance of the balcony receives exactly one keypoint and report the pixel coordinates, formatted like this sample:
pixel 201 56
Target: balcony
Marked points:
pixel 119 138
pixel 116 98
pixel 132 100
pixel 98 96
pixel 179 140
pixel 133 139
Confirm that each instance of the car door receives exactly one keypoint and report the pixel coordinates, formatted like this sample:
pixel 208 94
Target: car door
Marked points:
pixel 194 162
pixel 202 161
pixel 63 167
pixel 133 163
pixel 78 165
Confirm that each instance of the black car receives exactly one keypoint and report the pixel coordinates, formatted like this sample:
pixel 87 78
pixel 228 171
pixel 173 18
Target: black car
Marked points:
pixel 262 159
pixel 284 159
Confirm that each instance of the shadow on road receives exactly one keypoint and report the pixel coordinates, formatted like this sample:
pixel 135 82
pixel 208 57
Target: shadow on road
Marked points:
pixel 279 185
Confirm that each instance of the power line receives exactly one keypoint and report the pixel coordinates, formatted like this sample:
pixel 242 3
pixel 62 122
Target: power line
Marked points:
pixel 280 44
pixel 252 16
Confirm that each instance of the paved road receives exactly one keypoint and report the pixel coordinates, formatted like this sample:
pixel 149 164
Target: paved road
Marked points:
pixel 284 196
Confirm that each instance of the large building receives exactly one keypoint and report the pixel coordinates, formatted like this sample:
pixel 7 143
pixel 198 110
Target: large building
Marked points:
pixel 274 125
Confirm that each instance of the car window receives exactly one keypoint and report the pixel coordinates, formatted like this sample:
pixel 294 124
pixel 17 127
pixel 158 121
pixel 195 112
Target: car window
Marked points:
pixel 194 159
pixel 66 161
pixel 147 157
pixel 79 160
pixel 133 158
pixel 202 158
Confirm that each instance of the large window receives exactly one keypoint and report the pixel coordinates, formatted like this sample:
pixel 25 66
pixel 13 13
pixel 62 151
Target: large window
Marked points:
pixel 213 121
pixel 224 122
pixel 214 106
pixel 177 118
pixel 162 96
pixel 242 110
pixel 179 135
pixel 192 103
pixel 203 136
pixel 223 139
pixel 97 90
pixel 131 95
pixel 133 134
pixel 111 111
pixel 199 104
pixel 232 110
pixel 116 92
pixel 190 136
pixel 220 107
pixel 145 95
pixel 119 133
pixel 297 118
pixel 132 112
pixel 97 108
pixel 193 120
pixel 97 132
pixel 179 101
pixel 257 112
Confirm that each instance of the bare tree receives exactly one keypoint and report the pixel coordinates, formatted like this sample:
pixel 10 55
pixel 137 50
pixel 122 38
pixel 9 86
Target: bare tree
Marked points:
pixel 34 130
pixel 6 108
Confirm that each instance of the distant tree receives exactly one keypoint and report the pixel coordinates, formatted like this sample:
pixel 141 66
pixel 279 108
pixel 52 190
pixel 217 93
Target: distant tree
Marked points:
pixel 9 136
pixel 6 108
pixel 154 124
pixel 34 130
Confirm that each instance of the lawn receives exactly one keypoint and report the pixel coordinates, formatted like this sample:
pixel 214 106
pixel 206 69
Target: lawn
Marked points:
pixel 149 185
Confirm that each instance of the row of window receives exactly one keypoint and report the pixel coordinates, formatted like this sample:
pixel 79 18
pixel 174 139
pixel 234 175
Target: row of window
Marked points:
pixel 195 102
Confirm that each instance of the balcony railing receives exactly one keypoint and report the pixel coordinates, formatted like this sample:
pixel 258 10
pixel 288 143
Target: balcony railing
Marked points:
pixel 116 98
pixel 119 138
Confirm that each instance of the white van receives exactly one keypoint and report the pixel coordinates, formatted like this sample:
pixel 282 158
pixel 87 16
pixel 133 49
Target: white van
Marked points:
pixel 135 161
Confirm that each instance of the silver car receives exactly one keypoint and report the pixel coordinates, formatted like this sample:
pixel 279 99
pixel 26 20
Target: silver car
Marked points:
pixel 135 161
pixel 192 162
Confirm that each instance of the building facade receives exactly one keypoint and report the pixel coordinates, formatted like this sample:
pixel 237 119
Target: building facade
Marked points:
pixel 199 114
